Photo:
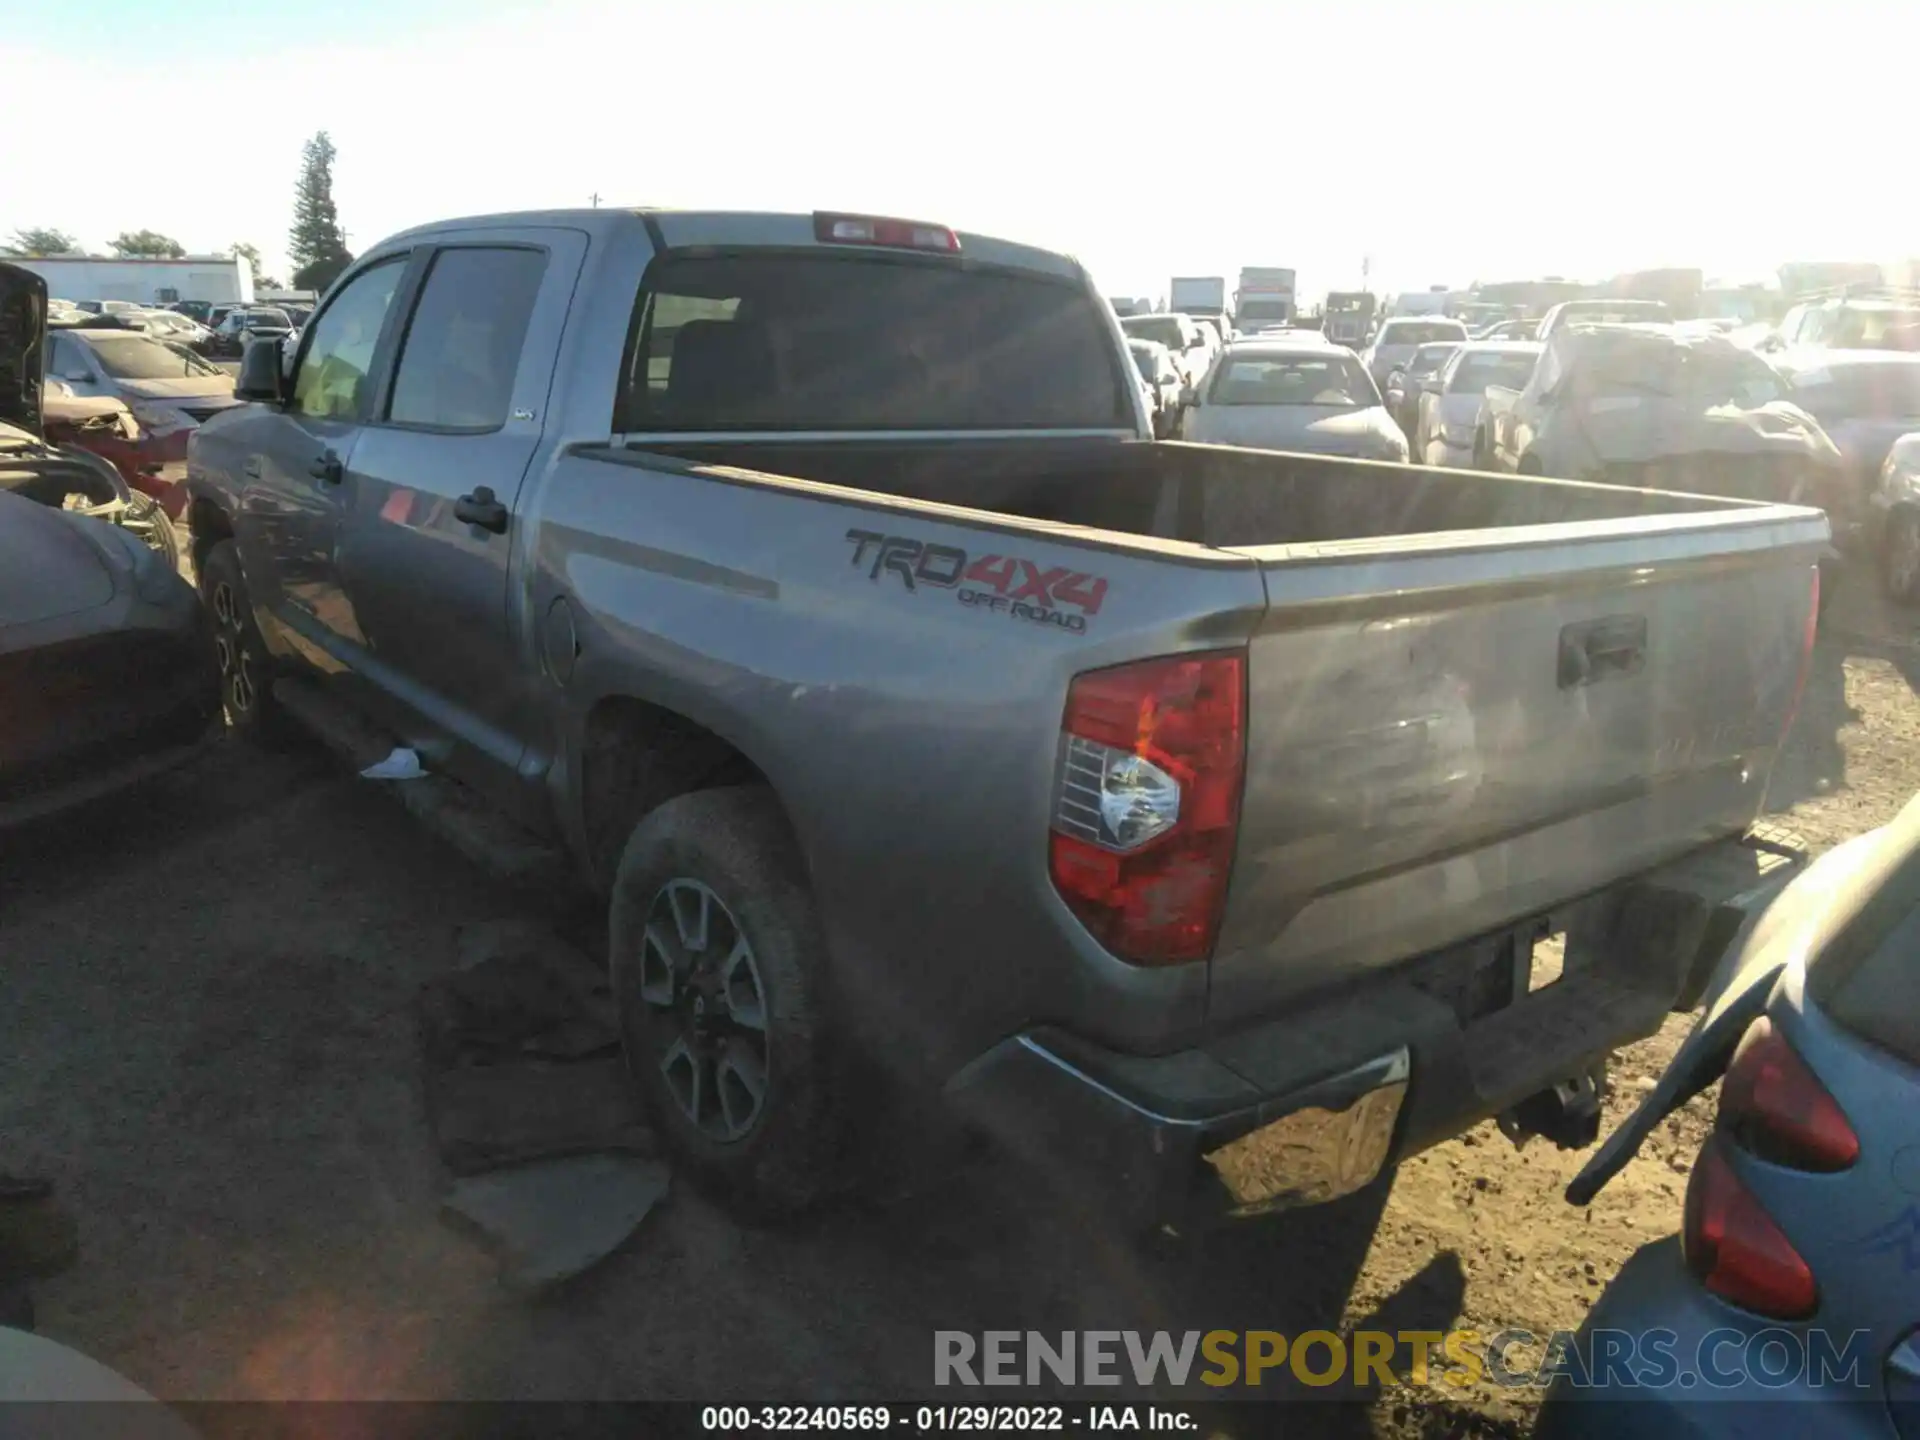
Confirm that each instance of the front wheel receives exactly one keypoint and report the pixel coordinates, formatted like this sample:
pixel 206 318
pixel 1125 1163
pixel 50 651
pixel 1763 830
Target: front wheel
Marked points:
pixel 719 971
pixel 246 669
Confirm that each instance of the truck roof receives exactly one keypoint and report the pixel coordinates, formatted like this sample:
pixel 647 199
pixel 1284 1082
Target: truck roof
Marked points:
pixel 734 227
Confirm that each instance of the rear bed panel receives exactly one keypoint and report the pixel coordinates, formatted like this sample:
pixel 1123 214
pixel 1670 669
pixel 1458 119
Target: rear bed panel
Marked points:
pixel 1449 741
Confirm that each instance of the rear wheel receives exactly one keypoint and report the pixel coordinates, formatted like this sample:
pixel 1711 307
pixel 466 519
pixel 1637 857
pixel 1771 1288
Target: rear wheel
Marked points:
pixel 1900 557
pixel 246 669
pixel 720 974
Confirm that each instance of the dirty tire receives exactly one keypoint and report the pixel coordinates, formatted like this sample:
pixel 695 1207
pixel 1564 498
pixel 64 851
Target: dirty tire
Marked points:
pixel 1900 558
pixel 731 846
pixel 246 670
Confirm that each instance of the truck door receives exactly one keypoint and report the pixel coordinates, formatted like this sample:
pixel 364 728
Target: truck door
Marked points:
pixel 296 463
pixel 430 525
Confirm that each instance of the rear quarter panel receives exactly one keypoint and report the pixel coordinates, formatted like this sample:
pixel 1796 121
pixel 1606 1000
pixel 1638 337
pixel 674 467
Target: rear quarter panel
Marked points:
pixel 907 716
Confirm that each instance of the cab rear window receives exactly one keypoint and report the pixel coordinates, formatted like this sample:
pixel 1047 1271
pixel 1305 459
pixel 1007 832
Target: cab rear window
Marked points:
pixel 783 342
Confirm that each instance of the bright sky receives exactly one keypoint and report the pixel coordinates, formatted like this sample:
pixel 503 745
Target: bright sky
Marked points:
pixel 1450 141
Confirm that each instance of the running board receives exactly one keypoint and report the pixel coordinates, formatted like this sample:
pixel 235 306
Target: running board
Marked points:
pixel 442 804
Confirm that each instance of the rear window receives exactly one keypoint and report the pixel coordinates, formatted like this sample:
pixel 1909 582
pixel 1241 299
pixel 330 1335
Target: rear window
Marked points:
pixel 1335 380
pixel 1621 312
pixel 1430 361
pixel 1421 332
pixel 784 342
pixel 1161 329
pixel 1477 372
pixel 1878 327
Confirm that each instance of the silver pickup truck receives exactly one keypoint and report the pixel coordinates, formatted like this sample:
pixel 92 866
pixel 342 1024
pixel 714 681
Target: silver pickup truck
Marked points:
pixel 1187 817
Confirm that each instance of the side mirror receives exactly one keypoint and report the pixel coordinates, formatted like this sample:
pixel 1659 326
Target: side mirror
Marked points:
pixel 261 377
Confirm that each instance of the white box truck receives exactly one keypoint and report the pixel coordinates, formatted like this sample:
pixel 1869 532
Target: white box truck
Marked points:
pixel 1265 298
pixel 1198 294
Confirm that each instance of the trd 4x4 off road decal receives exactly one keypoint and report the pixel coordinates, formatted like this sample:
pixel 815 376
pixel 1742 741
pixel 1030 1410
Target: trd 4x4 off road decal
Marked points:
pixel 1005 584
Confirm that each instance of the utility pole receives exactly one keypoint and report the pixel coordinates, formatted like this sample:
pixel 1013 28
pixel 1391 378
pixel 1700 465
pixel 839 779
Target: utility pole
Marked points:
pixel 595 198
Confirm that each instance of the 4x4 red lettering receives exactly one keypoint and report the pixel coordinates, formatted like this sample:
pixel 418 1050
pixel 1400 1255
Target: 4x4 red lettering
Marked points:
pixel 993 570
pixel 1088 592
pixel 1039 584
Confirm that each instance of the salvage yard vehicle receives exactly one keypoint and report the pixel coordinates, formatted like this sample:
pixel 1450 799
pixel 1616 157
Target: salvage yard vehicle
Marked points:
pixel 1892 528
pixel 1607 402
pixel 1349 317
pixel 105 658
pixel 1182 336
pixel 1408 385
pixel 1397 339
pixel 1443 433
pixel 240 327
pixel 1802 1220
pixel 1307 396
pixel 1164 384
pixel 1183 816
pixel 1856 317
pixel 1865 400
pixel 168 389
pixel 1601 312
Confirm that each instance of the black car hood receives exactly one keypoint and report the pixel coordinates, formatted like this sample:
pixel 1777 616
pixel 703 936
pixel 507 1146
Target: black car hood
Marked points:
pixel 48 567
pixel 23 335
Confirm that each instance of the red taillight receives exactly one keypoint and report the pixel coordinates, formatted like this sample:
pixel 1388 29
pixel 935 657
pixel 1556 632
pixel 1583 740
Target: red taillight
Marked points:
pixel 1147 802
pixel 1774 1106
pixel 832 229
pixel 1735 1249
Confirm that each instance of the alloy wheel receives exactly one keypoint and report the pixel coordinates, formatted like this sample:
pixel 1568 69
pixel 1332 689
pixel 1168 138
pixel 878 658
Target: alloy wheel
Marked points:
pixel 230 646
pixel 701 982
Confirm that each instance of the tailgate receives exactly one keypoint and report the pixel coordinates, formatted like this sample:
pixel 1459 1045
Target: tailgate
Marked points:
pixel 1451 733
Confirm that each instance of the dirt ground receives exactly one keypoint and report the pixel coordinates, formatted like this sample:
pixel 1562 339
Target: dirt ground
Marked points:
pixel 210 1047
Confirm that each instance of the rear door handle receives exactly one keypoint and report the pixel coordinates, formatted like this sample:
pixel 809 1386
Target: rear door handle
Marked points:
pixel 480 508
pixel 327 469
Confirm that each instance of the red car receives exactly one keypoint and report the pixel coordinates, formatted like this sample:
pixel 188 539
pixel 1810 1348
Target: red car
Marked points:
pixel 167 389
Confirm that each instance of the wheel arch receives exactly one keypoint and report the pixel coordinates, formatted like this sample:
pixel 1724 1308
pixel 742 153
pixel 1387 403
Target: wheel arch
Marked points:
pixel 634 755
pixel 208 524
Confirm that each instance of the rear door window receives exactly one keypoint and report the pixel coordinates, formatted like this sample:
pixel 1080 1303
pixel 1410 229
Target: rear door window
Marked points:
pixel 783 342
pixel 462 347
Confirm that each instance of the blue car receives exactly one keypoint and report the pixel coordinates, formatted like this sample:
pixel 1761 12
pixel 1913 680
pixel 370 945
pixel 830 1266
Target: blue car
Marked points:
pixel 1790 1304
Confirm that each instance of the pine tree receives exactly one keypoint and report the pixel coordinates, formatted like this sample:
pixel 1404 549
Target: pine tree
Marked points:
pixel 316 245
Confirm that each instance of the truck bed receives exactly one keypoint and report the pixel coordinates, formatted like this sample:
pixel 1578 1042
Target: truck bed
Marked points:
pixel 1221 497
pixel 1472 699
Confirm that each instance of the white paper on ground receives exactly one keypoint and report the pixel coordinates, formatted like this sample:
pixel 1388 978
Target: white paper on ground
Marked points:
pixel 402 764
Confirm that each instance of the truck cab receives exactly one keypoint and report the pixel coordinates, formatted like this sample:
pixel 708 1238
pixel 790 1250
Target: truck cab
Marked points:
pixel 1350 317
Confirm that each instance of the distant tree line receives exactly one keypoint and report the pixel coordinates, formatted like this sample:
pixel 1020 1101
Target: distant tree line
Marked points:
pixel 316 244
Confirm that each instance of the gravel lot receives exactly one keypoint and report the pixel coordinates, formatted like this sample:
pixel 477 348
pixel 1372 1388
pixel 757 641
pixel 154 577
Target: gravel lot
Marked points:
pixel 212 1051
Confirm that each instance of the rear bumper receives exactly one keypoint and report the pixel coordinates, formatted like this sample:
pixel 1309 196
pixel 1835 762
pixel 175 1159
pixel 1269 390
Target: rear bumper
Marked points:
pixel 1306 1107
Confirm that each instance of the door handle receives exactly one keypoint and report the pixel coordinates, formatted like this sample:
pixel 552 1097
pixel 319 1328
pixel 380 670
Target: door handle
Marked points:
pixel 327 469
pixel 480 508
